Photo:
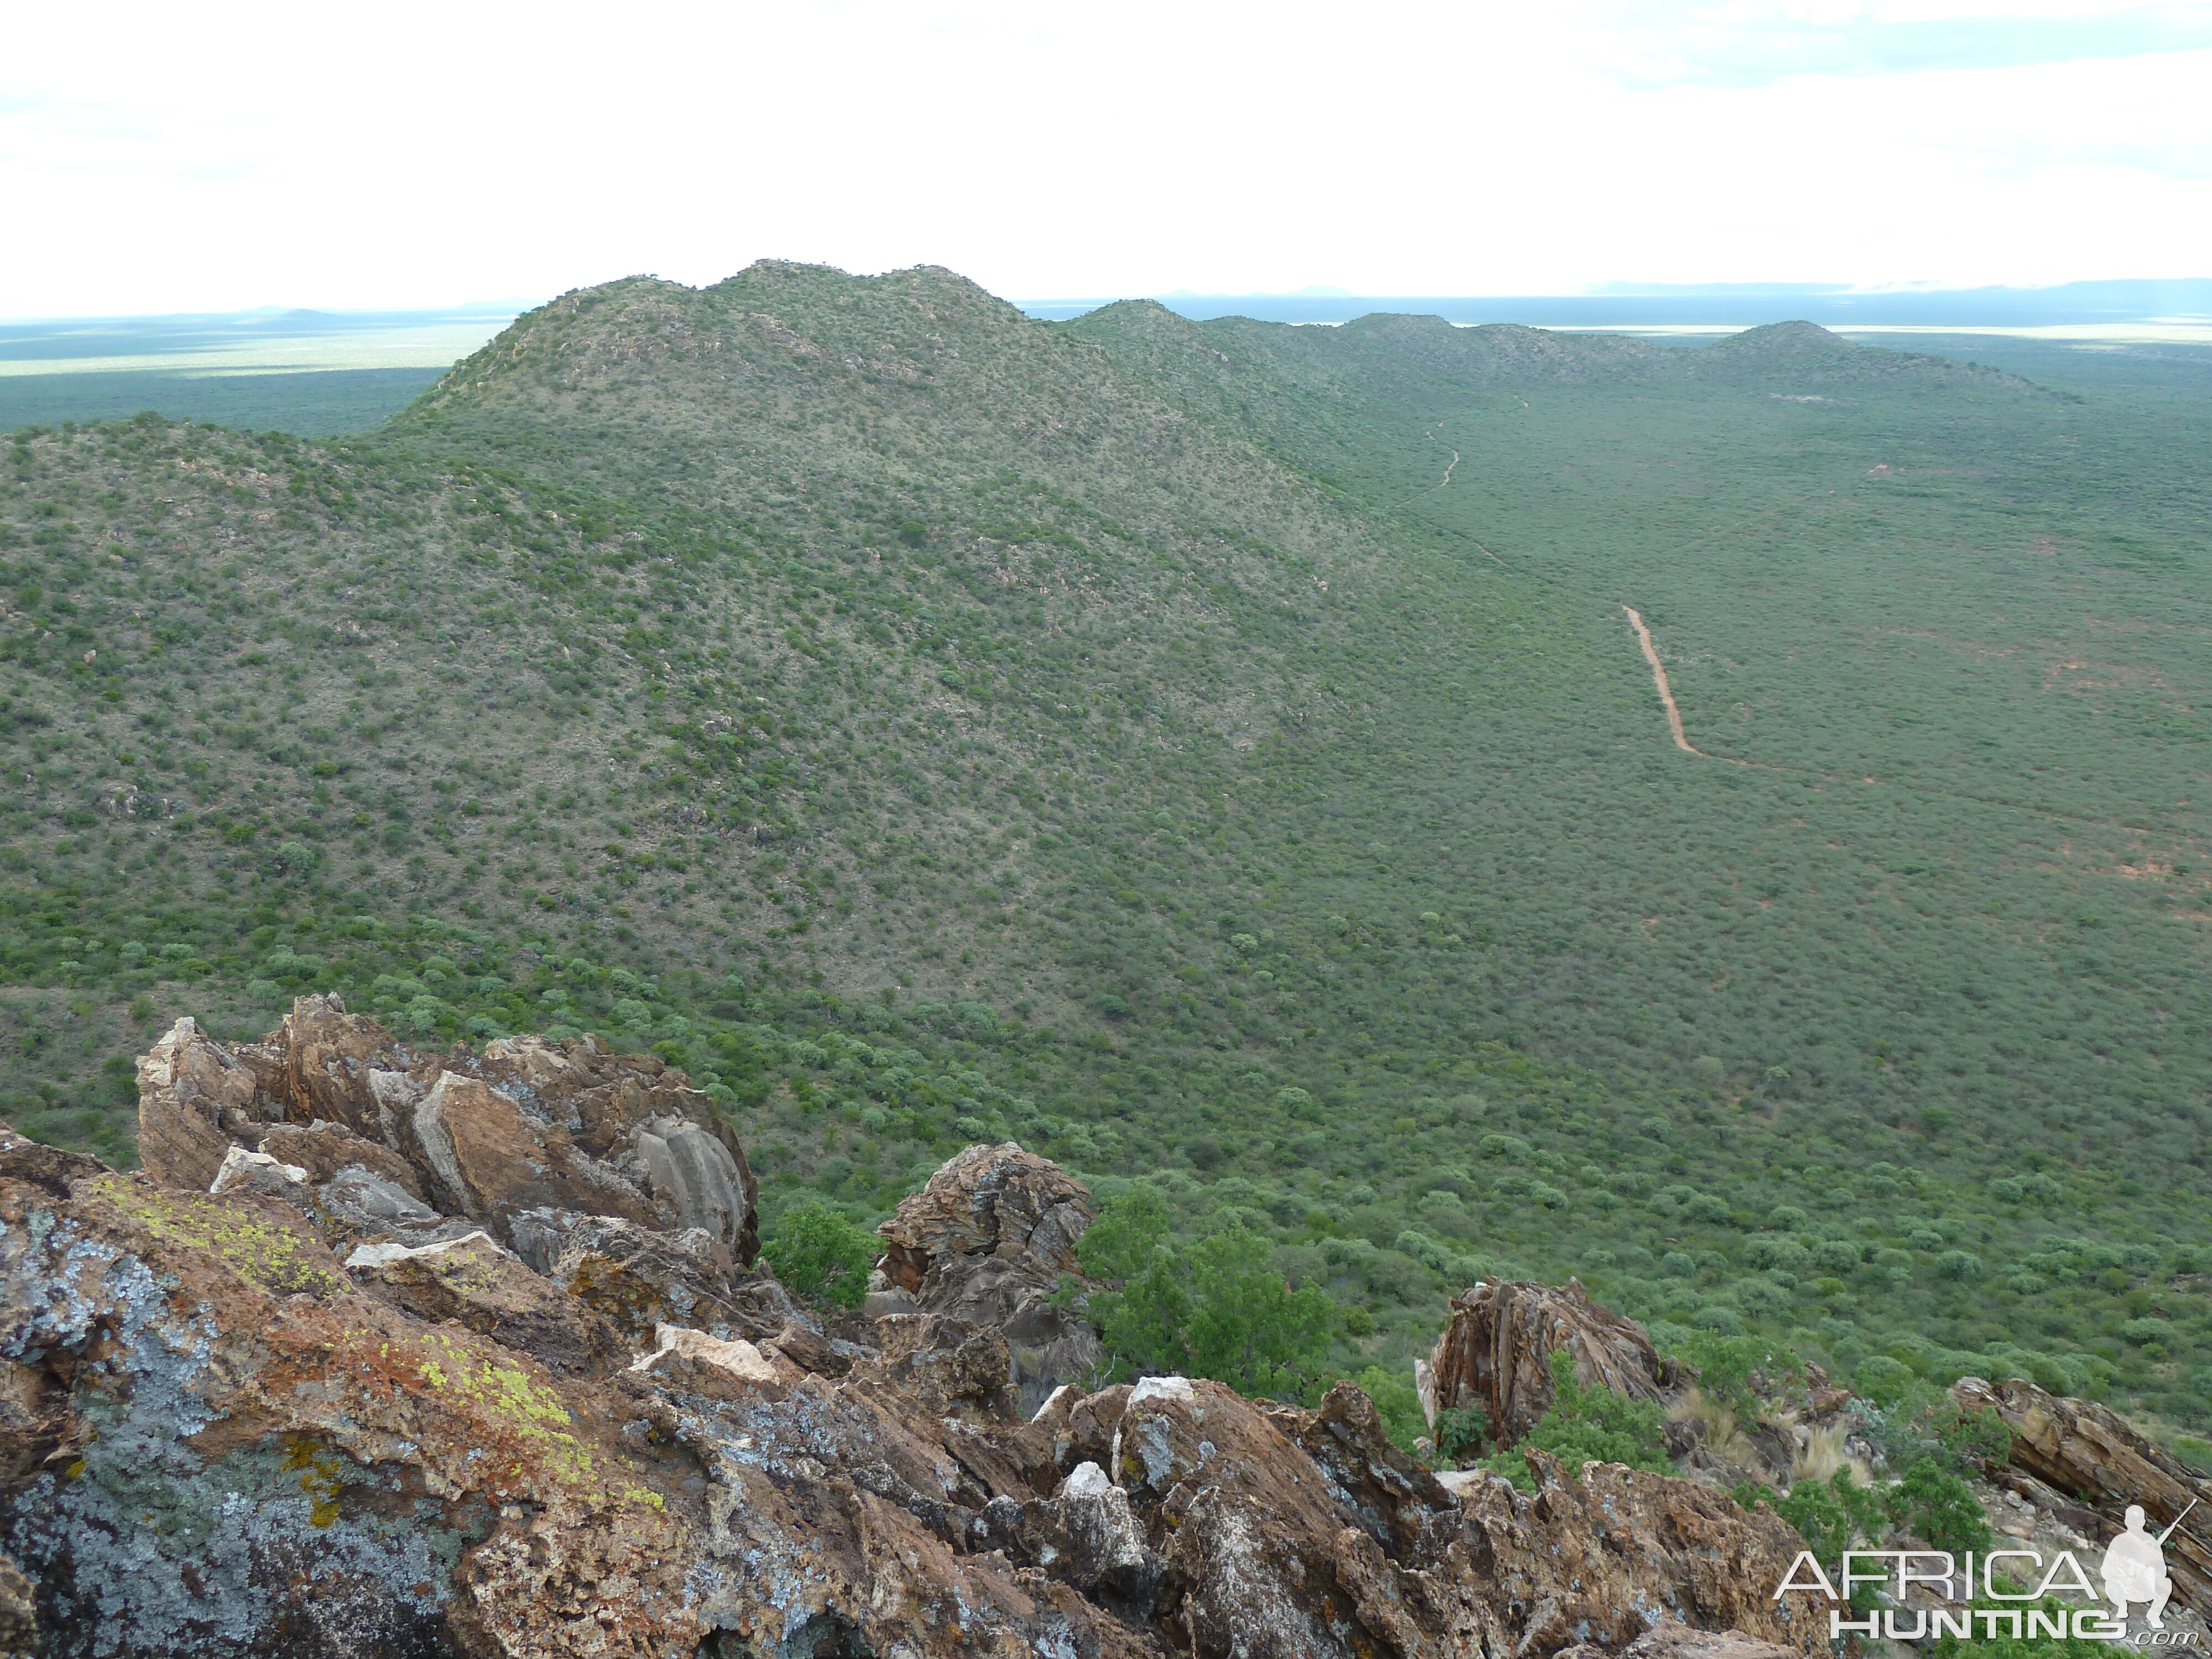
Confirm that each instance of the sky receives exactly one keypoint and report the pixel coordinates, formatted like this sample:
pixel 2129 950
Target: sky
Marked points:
pixel 160 158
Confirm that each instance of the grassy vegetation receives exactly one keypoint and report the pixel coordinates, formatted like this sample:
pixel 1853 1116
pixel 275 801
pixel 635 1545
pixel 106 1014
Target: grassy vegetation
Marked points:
pixel 311 404
pixel 928 725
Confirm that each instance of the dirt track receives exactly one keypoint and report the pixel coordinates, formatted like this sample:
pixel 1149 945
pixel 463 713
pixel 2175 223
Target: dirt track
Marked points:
pixel 1659 679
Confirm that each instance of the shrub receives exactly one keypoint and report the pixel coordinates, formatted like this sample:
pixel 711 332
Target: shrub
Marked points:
pixel 821 1255
pixel 1963 1265
pixel 1584 1425
pixel 1830 1514
pixel 1882 1380
pixel 1932 1503
pixel 1222 1310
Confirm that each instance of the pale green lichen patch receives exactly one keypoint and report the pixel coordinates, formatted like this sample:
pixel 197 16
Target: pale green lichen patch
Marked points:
pixel 267 1253
pixel 528 1411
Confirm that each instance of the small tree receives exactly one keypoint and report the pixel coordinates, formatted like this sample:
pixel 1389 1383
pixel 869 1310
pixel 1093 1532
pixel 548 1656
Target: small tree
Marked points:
pixel 1221 1309
pixel 821 1255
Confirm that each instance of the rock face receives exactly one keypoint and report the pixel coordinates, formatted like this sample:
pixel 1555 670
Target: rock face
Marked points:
pixel 232 1425
pixel 408 1137
pixel 985 1240
pixel 2084 1451
pixel 1496 1354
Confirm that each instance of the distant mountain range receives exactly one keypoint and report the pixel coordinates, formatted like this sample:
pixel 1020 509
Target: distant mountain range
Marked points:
pixel 1731 304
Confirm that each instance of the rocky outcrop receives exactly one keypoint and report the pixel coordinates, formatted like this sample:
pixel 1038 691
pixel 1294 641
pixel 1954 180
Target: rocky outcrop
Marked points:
pixel 221 1435
pixel 986 1242
pixel 1496 1354
pixel 413 1136
pixel 2086 1452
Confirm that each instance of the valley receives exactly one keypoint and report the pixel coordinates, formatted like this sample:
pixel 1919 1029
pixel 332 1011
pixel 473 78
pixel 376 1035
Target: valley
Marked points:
pixel 924 725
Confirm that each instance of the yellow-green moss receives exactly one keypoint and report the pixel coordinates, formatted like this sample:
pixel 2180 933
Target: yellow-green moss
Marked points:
pixel 267 1254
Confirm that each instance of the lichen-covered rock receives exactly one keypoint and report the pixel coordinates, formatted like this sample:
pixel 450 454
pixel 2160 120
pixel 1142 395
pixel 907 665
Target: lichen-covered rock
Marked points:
pixel 220 1436
pixel 640 1279
pixel 474 1283
pixel 1496 1354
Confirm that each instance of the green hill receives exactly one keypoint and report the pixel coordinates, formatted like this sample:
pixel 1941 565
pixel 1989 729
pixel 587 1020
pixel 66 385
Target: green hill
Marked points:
pixel 927 724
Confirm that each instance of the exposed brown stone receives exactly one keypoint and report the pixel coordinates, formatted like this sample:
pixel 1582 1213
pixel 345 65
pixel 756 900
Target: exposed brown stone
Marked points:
pixel 474 1283
pixel 192 1093
pixel 1496 1354
pixel 2086 1451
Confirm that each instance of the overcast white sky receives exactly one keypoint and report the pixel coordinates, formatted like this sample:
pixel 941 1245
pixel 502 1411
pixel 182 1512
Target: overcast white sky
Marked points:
pixel 159 158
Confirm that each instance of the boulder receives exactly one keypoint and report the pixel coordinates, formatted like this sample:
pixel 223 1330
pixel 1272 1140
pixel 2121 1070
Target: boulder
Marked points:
pixel 988 1203
pixel 482 1158
pixel 1496 1353
pixel 987 1240
pixel 2087 1452
pixel 1605 1554
pixel 641 1279
pixel 195 1101
pixel 322 1148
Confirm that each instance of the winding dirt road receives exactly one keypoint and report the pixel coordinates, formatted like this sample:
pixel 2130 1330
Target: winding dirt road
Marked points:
pixel 1431 434
pixel 1659 678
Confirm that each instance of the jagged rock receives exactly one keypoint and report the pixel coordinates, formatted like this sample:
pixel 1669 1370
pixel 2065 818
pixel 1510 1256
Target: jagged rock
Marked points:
pixel 526 1125
pixel 323 1149
pixel 482 1158
pixel 738 1359
pixel 1603 1558
pixel 329 1060
pixel 641 1279
pixel 2086 1451
pixel 985 1240
pixel 607 1100
pixel 242 1171
pixel 989 1201
pixel 192 1093
pixel 359 1205
pixel 959 1367
pixel 1497 1350
pixel 472 1282
pixel 215 1439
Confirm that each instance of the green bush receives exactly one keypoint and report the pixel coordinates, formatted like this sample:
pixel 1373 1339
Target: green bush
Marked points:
pixel 1221 1309
pixel 1829 1515
pixel 1585 1426
pixel 821 1255
pixel 1932 1503
pixel 1882 1380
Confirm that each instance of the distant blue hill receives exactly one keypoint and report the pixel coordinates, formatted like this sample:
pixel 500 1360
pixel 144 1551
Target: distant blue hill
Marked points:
pixel 1716 305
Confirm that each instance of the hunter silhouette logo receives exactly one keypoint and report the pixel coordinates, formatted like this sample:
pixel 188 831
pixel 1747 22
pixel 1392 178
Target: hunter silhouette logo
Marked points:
pixel 2135 1567
pixel 1957 1595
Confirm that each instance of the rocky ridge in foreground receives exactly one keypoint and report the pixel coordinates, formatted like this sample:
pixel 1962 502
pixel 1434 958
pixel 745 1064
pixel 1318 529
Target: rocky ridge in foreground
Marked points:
pixel 401 1352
